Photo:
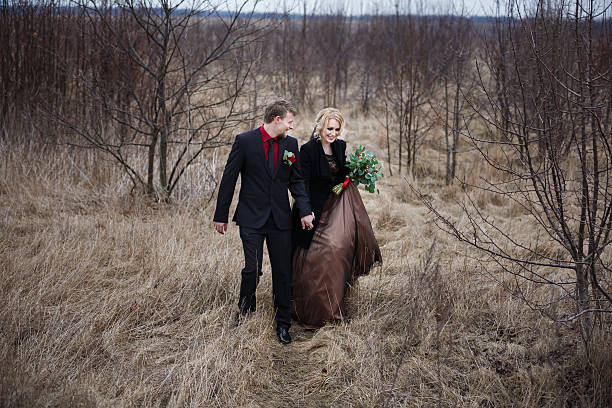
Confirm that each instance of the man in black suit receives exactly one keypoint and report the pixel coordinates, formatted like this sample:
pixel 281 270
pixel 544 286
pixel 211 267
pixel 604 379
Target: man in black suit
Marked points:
pixel 267 161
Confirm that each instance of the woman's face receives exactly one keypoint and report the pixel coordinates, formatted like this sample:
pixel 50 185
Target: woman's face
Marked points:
pixel 330 132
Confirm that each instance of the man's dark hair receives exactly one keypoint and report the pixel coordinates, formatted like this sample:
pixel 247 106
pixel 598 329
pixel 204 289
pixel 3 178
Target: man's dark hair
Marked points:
pixel 278 108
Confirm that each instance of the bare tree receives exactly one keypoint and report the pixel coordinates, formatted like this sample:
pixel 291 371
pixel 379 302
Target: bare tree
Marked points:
pixel 458 83
pixel 332 53
pixel 408 78
pixel 181 72
pixel 367 39
pixel 36 39
pixel 556 164
pixel 293 41
pixel 497 56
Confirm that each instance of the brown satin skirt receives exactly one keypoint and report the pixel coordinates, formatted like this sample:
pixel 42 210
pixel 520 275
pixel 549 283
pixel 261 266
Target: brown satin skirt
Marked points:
pixel 343 248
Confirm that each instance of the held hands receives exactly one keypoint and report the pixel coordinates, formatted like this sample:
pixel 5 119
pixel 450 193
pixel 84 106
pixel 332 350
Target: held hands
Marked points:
pixel 307 221
pixel 221 227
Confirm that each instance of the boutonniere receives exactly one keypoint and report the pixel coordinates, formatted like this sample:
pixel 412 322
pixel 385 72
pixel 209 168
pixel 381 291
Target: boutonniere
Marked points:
pixel 288 158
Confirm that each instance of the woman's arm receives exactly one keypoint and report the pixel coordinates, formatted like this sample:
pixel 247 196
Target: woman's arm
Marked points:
pixel 344 171
pixel 305 162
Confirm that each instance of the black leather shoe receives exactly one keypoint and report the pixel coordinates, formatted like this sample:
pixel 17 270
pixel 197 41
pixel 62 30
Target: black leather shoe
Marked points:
pixel 283 335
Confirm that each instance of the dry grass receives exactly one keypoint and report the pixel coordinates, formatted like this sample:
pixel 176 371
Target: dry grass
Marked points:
pixel 113 300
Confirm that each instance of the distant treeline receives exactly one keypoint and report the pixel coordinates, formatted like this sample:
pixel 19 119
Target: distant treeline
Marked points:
pixel 414 73
pixel 16 8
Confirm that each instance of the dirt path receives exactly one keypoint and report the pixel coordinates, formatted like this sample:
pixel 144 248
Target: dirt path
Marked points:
pixel 293 375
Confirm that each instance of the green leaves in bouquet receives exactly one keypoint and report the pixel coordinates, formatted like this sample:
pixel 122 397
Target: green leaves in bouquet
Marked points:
pixel 364 169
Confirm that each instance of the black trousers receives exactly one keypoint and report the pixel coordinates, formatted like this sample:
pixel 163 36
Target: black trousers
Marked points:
pixel 279 249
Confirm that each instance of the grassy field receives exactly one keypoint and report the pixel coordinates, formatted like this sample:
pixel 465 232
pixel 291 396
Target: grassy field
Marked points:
pixel 113 300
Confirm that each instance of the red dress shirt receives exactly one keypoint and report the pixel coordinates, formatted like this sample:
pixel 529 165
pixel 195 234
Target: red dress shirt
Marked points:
pixel 264 138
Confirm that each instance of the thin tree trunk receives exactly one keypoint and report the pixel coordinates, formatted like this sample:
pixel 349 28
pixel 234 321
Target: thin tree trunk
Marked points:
pixel 388 139
pixel 457 118
pixel 446 135
pixel 151 163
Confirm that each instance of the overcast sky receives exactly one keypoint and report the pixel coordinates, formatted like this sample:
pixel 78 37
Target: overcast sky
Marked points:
pixel 470 7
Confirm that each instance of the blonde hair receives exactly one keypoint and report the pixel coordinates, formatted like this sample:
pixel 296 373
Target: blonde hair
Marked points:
pixel 324 116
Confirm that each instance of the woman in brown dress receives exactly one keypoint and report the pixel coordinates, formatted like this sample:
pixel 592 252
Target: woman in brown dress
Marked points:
pixel 341 246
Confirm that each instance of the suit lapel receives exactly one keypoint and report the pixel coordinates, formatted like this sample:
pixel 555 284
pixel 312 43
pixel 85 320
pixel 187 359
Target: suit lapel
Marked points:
pixel 262 153
pixel 282 143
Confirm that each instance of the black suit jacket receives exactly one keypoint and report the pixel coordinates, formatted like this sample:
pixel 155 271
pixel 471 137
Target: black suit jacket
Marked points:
pixel 262 193
pixel 319 182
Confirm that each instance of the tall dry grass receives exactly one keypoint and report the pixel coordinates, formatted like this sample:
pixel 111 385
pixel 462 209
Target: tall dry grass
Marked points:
pixel 110 299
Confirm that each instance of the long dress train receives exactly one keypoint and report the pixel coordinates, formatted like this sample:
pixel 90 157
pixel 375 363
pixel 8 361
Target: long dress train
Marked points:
pixel 343 248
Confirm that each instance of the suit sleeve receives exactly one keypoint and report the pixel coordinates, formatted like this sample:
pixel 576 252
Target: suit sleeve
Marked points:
pixel 234 163
pixel 298 185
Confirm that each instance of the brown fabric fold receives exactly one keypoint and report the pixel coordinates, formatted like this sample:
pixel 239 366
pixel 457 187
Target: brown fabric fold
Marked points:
pixel 343 248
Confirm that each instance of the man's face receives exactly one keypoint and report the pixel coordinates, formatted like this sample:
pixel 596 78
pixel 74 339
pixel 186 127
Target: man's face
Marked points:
pixel 284 124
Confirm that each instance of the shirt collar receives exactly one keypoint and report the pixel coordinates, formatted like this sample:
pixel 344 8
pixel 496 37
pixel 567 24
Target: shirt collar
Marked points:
pixel 264 135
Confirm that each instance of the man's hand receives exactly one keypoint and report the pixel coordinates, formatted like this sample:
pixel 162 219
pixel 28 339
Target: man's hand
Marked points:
pixel 221 227
pixel 307 221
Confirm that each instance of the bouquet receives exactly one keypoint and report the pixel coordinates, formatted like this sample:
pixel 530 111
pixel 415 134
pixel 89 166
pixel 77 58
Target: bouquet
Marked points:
pixel 364 169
